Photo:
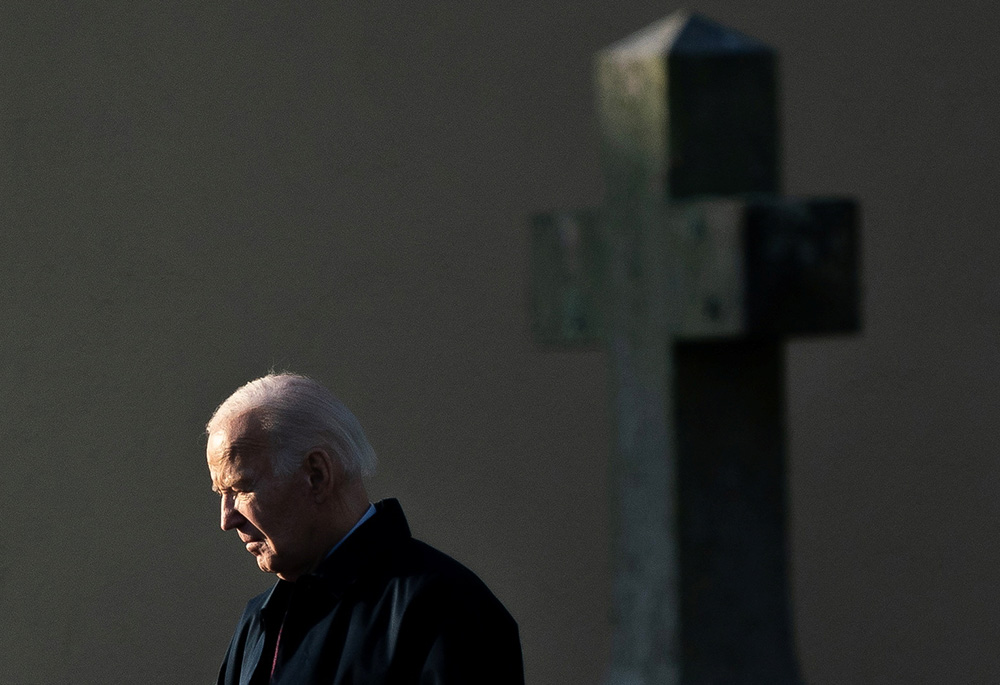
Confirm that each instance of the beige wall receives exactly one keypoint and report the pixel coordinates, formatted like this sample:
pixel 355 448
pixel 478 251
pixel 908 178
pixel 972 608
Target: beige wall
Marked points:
pixel 192 193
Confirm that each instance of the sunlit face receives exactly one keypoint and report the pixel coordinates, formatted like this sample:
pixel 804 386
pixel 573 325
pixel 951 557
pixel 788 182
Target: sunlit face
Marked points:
pixel 271 514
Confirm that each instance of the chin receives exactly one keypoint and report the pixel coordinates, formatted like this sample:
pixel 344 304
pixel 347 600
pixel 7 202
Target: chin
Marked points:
pixel 265 563
pixel 268 564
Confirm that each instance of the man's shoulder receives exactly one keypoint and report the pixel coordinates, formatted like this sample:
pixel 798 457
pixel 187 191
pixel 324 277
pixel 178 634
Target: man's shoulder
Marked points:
pixel 382 564
pixel 393 554
pixel 418 559
pixel 420 570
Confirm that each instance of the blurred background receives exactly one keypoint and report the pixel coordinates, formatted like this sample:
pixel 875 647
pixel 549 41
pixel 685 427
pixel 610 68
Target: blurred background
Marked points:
pixel 194 193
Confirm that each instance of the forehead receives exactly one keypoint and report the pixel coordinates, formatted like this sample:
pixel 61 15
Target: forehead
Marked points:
pixel 237 447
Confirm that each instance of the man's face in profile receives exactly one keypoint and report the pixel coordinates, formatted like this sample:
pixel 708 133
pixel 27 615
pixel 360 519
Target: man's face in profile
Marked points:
pixel 270 513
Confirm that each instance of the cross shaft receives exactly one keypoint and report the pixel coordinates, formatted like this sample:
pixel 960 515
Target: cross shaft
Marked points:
pixel 692 274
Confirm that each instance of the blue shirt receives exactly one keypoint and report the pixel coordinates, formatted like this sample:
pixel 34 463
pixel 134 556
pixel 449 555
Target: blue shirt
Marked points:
pixel 367 515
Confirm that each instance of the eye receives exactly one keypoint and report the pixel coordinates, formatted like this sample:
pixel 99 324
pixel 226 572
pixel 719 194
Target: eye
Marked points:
pixel 236 490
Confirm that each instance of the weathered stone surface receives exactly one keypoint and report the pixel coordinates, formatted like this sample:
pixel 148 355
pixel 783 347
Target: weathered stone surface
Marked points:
pixel 689 108
pixel 760 266
pixel 693 272
pixel 735 620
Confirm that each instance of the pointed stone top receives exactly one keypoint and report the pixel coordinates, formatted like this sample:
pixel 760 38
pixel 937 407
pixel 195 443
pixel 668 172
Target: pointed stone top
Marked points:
pixel 686 33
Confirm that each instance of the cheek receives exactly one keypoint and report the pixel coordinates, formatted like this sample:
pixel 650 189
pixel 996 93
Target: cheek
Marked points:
pixel 272 520
pixel 252 513
pixel 280 514
pixel 287 528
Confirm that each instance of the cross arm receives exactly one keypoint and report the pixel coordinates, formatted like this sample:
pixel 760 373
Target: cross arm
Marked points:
pixel 751 267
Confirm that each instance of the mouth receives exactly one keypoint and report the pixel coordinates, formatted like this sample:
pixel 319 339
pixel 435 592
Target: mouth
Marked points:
pixel 253 546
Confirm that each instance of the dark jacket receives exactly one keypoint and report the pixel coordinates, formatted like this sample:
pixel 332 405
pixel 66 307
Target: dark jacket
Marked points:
pixel 384 608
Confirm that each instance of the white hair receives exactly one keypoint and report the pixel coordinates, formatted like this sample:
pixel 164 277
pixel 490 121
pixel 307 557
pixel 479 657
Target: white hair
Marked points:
pixel 298 414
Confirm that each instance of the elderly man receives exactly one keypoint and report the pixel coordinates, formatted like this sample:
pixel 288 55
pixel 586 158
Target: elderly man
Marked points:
pixel 358 601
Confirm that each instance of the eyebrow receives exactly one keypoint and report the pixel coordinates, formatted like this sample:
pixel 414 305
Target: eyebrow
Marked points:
pixel 241 482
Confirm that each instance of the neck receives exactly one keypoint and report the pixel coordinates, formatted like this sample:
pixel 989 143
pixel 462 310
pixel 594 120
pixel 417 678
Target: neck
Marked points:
pixel 344 511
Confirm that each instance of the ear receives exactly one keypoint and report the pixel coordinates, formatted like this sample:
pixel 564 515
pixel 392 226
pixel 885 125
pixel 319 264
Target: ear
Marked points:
pixel 324 472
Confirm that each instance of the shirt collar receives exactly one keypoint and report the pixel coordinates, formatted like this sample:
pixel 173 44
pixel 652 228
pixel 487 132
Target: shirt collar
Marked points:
pixel 369 512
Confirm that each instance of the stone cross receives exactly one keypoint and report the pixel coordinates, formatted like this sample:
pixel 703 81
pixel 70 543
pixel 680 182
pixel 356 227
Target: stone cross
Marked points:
pixel 693 273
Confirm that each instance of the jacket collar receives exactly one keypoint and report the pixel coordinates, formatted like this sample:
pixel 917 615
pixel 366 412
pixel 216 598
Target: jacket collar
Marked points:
pixel 373 540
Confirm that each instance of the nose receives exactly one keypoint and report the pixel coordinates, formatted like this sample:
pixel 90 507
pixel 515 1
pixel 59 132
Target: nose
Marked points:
pixel 231 517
